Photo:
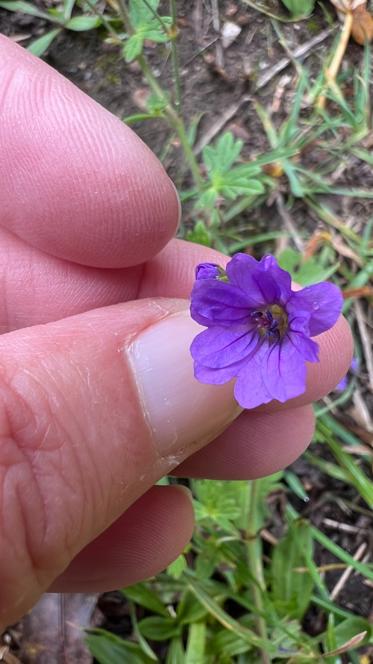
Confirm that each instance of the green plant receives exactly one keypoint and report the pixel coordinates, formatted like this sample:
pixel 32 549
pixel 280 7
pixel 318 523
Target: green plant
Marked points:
pixel 299 8
pixel 60 17
pixel 145 24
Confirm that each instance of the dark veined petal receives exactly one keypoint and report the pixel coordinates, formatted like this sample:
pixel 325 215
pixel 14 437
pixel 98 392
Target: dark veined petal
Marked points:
pixel 218 347
pixel 243 271
pixel 216 376
pixel 284 372
pixel 324 301
pixel 282 278
pixel 269 289
pixel 250 390
pixel 306 348
pixel 218 303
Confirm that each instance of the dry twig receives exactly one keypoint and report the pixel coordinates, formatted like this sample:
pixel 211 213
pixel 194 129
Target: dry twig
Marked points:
pixel 347 573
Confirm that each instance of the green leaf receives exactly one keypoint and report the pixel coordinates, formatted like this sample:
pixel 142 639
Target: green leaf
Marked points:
pixel 110 649
pixel 311 272
pixel 24 8
pixel 142 12
pixel 348 628
pixel 159 629
pixel 190 609
pixel 177 567
pixel 195 652
pixel 218 158
pixel 39 46
pixel 175 652
pixel 228 643
pixel 133 47
pixel 142 595
pixel 354 474
pixel 226 620
pixel 207 560
pixel 200 234
pixel 156 104
pixel 207 199
pixel 294 483
pixel 82 23
pixel 290 590
pixel 68 6
pixel 334 548
pixel 289 260
pixel 147 25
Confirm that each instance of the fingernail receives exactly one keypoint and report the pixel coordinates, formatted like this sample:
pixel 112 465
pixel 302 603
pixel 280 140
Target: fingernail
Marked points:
pixel 182 413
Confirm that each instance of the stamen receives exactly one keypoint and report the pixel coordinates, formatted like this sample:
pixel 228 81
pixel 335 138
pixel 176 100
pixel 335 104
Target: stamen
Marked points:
pixel 271 323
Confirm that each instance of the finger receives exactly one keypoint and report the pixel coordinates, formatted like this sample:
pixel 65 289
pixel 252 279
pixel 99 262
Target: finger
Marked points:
pixel 94 409
pixel 40 288
pixel 140 544
pixel 255 445
pixel 76 182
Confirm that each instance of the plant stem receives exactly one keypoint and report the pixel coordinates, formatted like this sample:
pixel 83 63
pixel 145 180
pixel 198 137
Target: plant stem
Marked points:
pixel 175 120
pixel 175 56
pixel 254 559
pixel 123 10
pixel 156 16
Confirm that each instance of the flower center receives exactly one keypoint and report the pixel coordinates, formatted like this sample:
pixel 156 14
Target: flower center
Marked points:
pixel 271 322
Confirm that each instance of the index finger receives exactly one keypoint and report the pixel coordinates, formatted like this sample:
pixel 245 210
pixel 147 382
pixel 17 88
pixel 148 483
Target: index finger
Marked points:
pixel 75 181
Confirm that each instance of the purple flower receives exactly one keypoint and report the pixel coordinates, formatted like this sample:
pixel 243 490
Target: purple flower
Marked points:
pixel 208 271
pixel 258 329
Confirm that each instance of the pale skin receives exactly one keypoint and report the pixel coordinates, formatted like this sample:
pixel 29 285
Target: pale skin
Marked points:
pixel 97 394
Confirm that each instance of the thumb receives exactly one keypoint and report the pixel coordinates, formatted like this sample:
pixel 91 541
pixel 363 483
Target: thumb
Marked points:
pixel 93 410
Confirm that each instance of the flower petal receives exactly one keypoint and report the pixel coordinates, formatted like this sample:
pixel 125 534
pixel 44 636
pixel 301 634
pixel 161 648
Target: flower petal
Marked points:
pixel 242 271
pixel 216 376
pixel 250 390
pixel 269 289
pixel 218 347
pixel 307 349
pixel 208 271
pixel 284 372
pixel 282 278
pixel 324 301
pixel 218 303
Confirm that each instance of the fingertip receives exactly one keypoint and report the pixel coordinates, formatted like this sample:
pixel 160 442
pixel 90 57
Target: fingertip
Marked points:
pixel 77 182
pixel 255 445
pixel 141 543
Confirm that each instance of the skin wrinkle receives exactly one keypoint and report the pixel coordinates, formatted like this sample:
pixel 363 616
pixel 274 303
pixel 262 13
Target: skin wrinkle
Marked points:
pixel 41 462
pixel 76 432
pixel 15 477
pixel 45 460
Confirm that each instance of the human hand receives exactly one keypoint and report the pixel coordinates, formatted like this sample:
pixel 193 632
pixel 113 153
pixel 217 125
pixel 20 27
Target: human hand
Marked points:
pixel 95 407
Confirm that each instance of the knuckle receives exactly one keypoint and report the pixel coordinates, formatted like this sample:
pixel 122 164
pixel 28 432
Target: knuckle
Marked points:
pixel 35 529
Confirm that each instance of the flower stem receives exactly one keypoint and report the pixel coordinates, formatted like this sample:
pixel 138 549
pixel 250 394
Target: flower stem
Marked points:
pixel 175 57
pixel 254 559
pixel 174 118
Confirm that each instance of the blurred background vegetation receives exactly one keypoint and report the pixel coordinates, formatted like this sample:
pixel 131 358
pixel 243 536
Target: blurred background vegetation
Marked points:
pixel 261 113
